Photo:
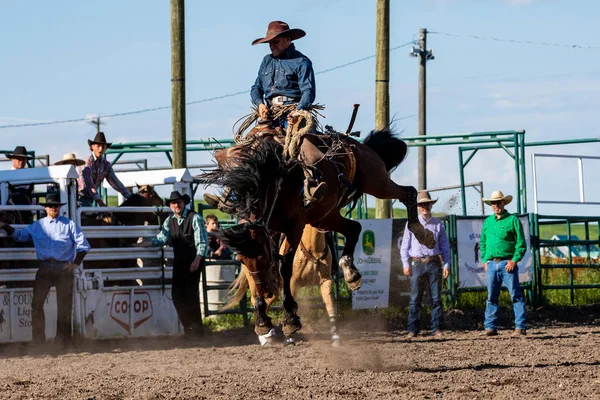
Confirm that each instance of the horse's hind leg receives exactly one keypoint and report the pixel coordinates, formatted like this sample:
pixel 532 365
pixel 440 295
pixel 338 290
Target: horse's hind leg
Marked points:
pixel 351 231
pixel 385 188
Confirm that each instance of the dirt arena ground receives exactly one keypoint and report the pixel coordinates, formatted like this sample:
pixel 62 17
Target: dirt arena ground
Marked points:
pixel 557 360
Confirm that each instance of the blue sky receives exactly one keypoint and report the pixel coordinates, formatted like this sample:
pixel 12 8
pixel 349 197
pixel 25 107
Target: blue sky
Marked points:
pixel 72 59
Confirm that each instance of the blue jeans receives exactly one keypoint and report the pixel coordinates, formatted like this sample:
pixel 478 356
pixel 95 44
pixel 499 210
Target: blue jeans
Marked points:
pixel 432 274
pixel 496 275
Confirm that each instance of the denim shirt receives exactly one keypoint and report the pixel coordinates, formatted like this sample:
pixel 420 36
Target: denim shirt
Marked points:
pixel 291 74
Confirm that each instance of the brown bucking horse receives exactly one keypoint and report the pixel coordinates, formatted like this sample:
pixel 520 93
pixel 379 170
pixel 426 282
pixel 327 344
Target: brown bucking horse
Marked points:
pixel 266 192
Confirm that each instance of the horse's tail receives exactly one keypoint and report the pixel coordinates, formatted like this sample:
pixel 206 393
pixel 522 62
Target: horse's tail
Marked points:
pixel 238 289
pixel 388 147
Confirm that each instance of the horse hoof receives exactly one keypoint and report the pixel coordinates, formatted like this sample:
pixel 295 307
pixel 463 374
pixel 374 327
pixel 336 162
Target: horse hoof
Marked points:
pixel 262 330
pixel 289 341
pixel 355 285
pixel 336 341
pixel 291 325
pixel 268 338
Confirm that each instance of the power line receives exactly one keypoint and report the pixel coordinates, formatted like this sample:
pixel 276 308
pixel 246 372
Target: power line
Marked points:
pixel 571 46
pixel 147 110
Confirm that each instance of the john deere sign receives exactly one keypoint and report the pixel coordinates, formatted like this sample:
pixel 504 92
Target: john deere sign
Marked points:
pixel 368 242
pixel 372 258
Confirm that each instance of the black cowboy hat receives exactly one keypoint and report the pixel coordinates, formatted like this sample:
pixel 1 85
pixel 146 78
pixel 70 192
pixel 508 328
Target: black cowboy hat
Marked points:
pixel 99 139
pixel 175 195
pixel 19 152
pixel 278 29
pixel 52 199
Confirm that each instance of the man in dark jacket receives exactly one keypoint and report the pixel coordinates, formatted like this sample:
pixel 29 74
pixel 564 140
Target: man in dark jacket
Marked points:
pixel 187 233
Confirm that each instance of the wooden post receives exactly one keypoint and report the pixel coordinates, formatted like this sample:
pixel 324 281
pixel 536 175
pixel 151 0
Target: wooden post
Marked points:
pixel 178 82
pixel 382 86
pixel 422 154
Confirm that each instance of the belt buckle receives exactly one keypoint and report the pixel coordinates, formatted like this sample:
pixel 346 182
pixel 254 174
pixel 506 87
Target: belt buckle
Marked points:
pixel 279 100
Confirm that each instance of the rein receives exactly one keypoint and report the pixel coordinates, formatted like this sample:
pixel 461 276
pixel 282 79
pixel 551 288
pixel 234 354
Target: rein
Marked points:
pixel 311 257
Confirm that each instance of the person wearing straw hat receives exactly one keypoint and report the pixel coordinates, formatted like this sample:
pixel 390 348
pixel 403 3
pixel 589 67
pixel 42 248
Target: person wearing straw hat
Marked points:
pixel 67 159
pixel 502 246
pixel 95 170
pixel 187 233
pixel 60 247
pixel 421 263
pixel 70 159
pixel 19 157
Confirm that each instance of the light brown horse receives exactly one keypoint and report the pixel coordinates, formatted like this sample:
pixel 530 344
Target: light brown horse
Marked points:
pixel 311 267
pixel 267 190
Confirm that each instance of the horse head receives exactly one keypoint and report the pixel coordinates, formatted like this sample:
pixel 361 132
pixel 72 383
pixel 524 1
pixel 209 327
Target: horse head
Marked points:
pixel 19 196
pixel 137 200
pixel 148 192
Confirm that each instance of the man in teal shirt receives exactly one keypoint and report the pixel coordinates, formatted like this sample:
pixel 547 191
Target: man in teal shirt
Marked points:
pixel 502 246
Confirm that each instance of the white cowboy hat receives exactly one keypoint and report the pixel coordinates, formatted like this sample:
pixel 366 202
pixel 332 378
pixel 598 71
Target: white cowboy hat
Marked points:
pixel 496 196
pixel 424 197
pixel 70 158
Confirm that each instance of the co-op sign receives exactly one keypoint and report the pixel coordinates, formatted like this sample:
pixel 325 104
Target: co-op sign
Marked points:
pixel 122 306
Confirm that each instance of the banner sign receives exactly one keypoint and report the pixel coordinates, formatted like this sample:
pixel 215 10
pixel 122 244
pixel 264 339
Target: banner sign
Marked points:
pixel 15 315
pixel 372 258
pixel 470 265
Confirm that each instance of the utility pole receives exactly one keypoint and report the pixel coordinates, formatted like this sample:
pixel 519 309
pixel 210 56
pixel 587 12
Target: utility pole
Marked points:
pixel 382 86
pixel 96 121
pixel 424 55
pixel 178 82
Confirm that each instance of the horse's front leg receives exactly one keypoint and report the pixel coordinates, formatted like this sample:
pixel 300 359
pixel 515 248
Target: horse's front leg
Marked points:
pixel 291 322
pixel 262 322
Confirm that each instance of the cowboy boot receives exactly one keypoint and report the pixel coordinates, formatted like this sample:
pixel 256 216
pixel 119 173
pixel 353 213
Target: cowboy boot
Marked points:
pixel 314 191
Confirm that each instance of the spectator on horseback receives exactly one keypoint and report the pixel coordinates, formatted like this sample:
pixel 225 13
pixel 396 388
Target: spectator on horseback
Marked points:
pixel 60 247
pixel 187 234
pixel 420 263
pixel 285 77
pixel 502 246
pixel 216 249
pixel 95 170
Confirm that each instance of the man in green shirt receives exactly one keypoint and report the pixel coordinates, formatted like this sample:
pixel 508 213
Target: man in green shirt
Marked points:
pixel 502 246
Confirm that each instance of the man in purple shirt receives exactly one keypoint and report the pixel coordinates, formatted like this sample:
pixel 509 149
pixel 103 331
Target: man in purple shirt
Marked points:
pixel 95 170
pixel 425 263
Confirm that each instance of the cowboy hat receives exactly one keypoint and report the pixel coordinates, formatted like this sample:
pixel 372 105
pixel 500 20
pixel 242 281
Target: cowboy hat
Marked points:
pixel 52 199
pixel 424 197
pixel 70 158
pixel 175 195
pixel 99 139
pixel 280 29
pixel 497 196
pixel 19 152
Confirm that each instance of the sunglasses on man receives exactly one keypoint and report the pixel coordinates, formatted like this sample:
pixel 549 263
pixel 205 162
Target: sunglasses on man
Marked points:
pixel 495 202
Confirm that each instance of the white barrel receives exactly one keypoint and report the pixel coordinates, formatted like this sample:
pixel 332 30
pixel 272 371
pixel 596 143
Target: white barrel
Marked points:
pixel 217 275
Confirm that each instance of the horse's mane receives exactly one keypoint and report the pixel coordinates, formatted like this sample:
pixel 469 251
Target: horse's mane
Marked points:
pixel 257 165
